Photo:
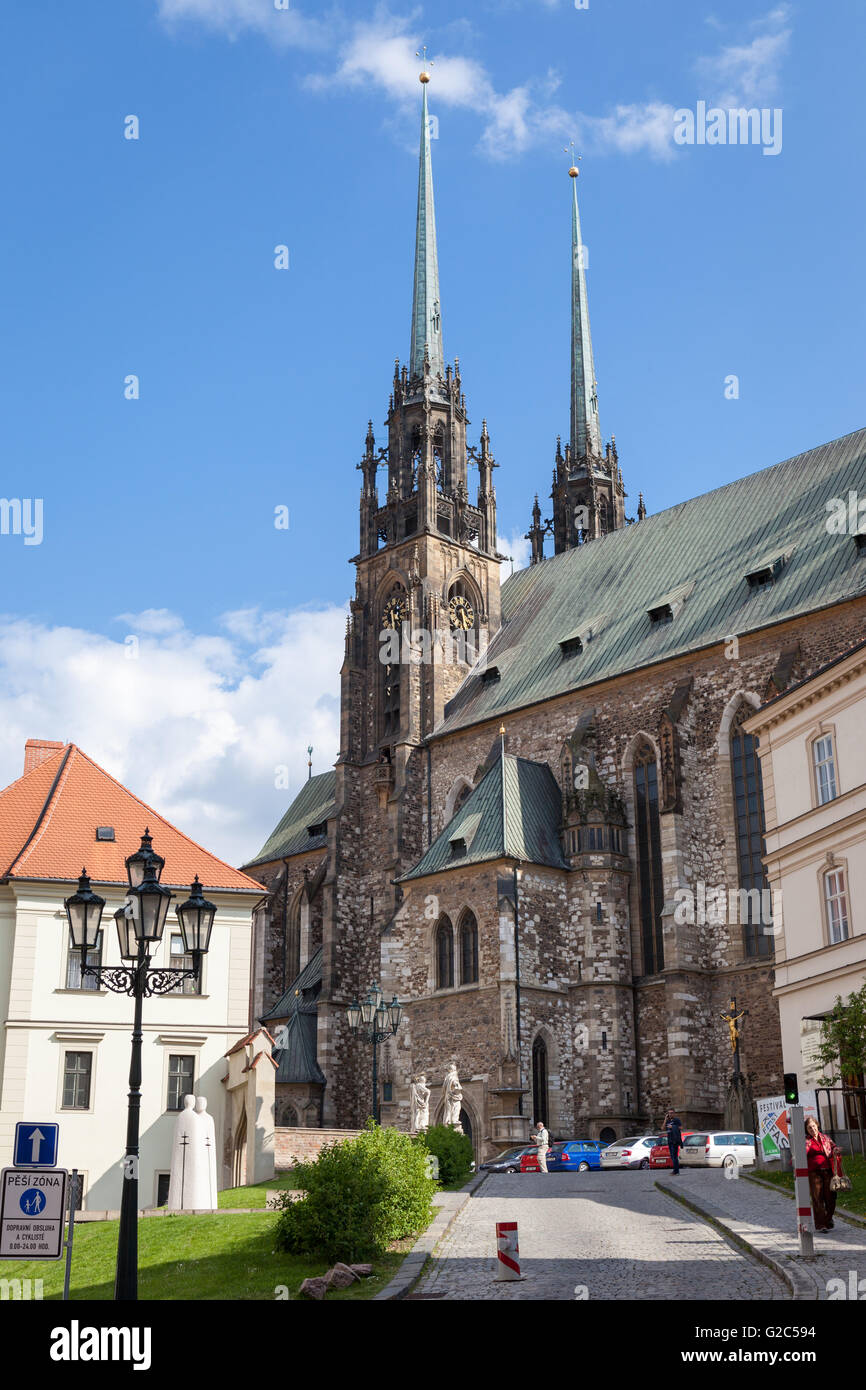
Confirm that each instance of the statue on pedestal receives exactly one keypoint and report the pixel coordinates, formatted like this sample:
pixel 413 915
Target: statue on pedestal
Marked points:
pixel 193 1181
pixel 452 1099
pixel 420 1095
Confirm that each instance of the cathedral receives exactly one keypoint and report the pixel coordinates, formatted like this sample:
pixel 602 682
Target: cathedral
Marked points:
pixel 543 832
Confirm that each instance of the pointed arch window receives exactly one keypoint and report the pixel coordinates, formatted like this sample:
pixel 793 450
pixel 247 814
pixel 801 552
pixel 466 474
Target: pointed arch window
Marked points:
pixel 649 857
pixel 442 480
pixel 603 517
pixel 444 954
pixel 749 815
pixel 394 611
pixel 468 949
pixel 540 1104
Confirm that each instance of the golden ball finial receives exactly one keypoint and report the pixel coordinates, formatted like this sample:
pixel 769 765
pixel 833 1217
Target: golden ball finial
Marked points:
pixel 423 77
pixel 573 172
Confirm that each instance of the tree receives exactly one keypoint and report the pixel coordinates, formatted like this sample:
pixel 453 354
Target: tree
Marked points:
pixel 842 1049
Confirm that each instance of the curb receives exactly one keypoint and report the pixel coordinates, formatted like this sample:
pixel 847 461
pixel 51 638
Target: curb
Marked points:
pixel 802 1288
pixel 416 1259
pixel 851 1216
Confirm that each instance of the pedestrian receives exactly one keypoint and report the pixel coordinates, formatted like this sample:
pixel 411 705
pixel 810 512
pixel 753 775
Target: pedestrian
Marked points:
pixel 542 1139
pixel 820 1151
pixel 674 1131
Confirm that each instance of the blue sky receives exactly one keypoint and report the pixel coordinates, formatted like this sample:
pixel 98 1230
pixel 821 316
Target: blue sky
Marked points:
pixel 260 127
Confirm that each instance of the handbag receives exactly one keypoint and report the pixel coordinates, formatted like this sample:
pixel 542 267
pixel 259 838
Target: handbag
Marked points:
pixel 840 1182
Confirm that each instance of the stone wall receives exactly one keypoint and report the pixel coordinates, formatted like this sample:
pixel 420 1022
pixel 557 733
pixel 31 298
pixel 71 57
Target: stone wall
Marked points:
pixel 299 1145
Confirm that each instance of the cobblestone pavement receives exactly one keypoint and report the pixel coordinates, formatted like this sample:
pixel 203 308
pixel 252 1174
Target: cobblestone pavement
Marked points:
pixel 767 1220
pixel 610 1234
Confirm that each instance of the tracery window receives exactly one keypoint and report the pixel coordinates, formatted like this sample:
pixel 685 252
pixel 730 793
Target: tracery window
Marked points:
pixel 468 949
pixel 749 814
pixel 444 954
pixel 649 856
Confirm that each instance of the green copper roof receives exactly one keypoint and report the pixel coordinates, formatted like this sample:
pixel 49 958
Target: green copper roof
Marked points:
pixel 426 317
pixel 585 427
pixel 513 813
pixel 696 554
pixel 311 807
pixel 296 1059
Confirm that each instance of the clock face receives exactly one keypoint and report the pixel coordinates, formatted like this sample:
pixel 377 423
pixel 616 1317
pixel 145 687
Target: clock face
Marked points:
pixel 460 612
pixel 395 612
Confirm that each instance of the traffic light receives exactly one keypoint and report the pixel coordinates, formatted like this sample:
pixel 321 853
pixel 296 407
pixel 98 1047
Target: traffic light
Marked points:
pixel 792 1092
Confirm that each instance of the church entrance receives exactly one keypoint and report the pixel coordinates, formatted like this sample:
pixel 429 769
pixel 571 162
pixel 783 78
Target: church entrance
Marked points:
pixel 239 1157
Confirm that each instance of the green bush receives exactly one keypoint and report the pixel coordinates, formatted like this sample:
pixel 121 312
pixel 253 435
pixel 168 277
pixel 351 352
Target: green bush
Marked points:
pixel 454 1151
pixel 362 1194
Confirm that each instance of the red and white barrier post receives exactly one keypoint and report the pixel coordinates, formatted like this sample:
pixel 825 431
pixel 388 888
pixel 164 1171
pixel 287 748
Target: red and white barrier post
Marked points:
pixel 507 1251
pixel 802 1195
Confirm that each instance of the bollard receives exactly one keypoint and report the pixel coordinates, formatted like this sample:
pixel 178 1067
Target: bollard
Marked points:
pixel 802 1196
pixel 507 1251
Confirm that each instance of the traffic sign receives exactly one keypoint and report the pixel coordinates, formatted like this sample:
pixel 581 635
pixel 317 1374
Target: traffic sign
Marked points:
pixel 32 1213
pixel 36 1145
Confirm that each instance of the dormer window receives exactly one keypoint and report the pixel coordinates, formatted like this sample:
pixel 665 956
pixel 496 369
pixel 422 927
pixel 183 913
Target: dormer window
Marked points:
pixel 574 642
pixel 860 542
pixel 668 606
pixel 490 676
pixel 767 571
pixel 458 847
pixel 321 828
pixel 105 832
pixel 571 646
pixel 664 613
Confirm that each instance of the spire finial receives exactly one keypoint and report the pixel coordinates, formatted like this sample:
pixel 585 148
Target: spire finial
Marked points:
pixel 573 171
pixel 309 761
pixel 426 311
pixel 423 76
pixel 585 427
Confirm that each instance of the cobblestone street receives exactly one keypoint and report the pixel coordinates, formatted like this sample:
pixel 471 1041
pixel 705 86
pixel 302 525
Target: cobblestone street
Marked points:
pixel 611 1234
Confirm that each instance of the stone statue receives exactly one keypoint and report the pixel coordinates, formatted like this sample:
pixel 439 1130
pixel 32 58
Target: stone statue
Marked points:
pixel 207 1152
pixel 420 1093
pixel 452 1099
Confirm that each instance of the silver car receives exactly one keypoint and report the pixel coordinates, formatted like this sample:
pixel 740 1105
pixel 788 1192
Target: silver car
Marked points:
pixel 629 1153
pixel 727 1148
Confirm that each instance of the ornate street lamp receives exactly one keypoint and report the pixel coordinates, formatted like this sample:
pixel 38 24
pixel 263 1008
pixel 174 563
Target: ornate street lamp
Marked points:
pixel 373 1021
pixel 140 924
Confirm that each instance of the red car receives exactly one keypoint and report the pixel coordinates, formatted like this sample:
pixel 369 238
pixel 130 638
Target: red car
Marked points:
pixel 529 1162
pixel 660 1154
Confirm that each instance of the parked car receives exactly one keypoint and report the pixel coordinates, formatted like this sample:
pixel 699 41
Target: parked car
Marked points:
pixel 718 1149
pixel 660 1154
pixel 529 1161
pixel 629 1153
pixel 506 1162
pixel 574 1155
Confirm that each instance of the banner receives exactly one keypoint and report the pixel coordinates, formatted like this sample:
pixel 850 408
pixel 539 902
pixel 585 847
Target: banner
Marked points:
pixel 773 1121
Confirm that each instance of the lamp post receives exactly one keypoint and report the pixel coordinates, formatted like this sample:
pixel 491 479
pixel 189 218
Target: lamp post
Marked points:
pixel 373 1021
pixel 140 924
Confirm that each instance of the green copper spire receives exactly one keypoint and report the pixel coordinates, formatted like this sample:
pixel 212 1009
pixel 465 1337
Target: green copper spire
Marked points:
pixel 585 428
pixel 426 319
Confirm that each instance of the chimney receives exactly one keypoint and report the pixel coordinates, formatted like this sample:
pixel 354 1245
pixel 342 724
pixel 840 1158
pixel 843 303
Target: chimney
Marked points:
pixel 36 750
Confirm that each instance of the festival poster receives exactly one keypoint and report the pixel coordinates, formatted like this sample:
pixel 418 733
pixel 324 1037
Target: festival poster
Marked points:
pixel 773 1121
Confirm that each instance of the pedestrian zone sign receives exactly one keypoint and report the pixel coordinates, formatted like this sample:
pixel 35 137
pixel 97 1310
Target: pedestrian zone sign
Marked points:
pixel 32 1213
pixel 35 1145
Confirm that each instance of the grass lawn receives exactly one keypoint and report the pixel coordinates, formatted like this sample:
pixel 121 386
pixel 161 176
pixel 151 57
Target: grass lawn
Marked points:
pixel 855 1167
pixel 192 1257
pixel 255 1196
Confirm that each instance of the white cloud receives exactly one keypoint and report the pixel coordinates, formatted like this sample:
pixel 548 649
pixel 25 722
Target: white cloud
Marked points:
pixel 195 724
pixel 747 74
pixel 285 28
pixel 517 548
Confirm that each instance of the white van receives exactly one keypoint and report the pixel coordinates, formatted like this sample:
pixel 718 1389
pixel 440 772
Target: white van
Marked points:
pixel 718 1149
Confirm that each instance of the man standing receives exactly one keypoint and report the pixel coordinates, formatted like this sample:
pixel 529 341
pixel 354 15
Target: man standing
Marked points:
pixel 542 1139
pixel 674 1131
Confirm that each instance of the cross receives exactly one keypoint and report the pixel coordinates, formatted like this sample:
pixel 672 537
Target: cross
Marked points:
pixel 731 1019
pixel 574 157
pixel 422 54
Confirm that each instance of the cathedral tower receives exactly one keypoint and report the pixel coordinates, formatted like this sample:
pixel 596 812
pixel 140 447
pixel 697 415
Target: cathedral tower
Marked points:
pixel 588 494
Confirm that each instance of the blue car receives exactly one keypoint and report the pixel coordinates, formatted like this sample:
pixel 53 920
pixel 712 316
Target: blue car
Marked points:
pixel 575 1156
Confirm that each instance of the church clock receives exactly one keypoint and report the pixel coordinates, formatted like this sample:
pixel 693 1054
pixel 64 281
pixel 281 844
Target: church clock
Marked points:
pixel 395 612
pixel 460 613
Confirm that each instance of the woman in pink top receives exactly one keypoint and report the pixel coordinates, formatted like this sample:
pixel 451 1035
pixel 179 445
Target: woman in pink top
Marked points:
pixel 819 1156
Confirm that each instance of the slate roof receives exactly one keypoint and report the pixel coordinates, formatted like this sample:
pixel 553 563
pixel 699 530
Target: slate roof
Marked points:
pixel 296 1061
pixel 313 805
pixel 514 813
pixel 48 821
pixel 704 547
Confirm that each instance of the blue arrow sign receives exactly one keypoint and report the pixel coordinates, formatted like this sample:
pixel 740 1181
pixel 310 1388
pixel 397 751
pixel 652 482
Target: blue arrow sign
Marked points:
pixel 36 1145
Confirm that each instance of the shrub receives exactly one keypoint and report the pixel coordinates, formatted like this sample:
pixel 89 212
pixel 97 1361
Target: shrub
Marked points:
pixel 454 1151
pixel 362 1193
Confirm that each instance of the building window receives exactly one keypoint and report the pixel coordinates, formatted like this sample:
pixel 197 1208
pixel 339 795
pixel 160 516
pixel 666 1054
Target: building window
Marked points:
pixel 286 1114
pixel 749 814
pixel 649 855
pixel 181 1073
pixel 162 1185
pixel 178 960
pixel 539 1080
pixel 824 764
pixel 468 949
pixel 77 1073
pixel 74 977
pixel 444 955
pixel 836 901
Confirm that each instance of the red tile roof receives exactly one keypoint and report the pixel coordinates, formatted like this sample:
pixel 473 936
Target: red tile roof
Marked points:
pixel 48 821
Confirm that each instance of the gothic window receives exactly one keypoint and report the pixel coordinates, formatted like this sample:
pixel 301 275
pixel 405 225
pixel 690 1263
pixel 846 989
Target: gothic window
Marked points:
pixel 468 949
pixel 603 523
pixel 286 1116
pixel 649 856
pixel 464 792
pixel 444 954
pixel 539 1080
pixel 293 938
pixel 394 612
pixel 416 455
pixel 439 457
pixel 749 815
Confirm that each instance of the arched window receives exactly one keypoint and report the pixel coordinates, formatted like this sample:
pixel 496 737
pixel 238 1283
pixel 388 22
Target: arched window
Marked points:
pixel 749 814
pixel 603 522
pixel 464 792
pixel 539 1080
pixel 286 1116
pixel 395 610
pixel 444 954
pixel 442 481
pixel 649 857
pixel 468 949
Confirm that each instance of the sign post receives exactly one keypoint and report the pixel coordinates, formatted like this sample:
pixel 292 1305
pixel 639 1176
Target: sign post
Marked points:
pixel 70 1231
pixel 802 1198
pixel 35 1145
pixel 32 1213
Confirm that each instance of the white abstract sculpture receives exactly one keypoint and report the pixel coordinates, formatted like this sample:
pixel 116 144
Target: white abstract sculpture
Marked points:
pixel 452 1099
pixel 420 1103
pixel 192 1184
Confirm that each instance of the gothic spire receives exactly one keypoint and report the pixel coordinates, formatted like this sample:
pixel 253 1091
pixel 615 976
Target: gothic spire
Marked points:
pixel 426 319
pixel 585 428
